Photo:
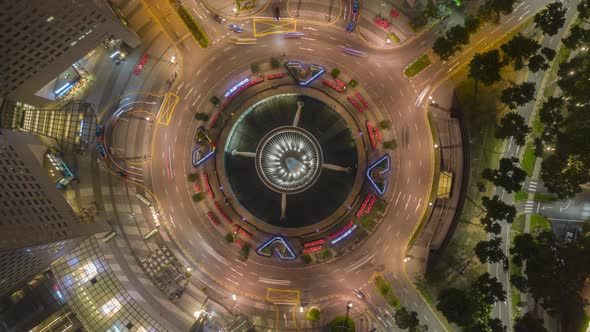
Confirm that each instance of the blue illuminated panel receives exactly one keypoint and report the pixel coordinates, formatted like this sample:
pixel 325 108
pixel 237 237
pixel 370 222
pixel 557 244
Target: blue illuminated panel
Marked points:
pixel 381 187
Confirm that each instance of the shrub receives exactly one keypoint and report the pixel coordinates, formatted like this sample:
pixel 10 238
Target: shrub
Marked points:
pixel 274 63
pixel 379 206
pixel 352 84
pixel 201 116
pixel 384 124
pixel 313 314
pixel 214 100
pixel 390 145
pixel 369 223
pixel 229 237
pixel 192 177
pixel 325 253
pixel 198 197
pixel 194 28
pixel 342 321
pixel 306 258
pixel 245 252
pixel 335 72
pixel 255 68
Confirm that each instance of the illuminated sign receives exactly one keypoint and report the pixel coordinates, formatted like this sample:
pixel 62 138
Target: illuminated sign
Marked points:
pixel 380 184
pixel 302 75
pixel 236 87
pixel 287 254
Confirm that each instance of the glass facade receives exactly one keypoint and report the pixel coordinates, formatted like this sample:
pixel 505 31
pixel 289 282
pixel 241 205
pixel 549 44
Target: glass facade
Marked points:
pixel 96 295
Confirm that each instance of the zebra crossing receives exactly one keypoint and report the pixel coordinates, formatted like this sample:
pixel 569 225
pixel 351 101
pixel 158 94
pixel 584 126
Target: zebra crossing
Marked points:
pixel 530 204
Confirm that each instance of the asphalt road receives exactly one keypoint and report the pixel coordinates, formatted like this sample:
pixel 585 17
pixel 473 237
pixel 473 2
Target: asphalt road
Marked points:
pixel 203 72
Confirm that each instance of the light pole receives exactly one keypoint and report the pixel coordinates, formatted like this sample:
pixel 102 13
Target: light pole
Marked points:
pixel 348 306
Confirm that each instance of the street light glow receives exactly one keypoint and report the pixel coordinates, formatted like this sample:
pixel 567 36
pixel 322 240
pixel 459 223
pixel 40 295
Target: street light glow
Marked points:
pixel 234 297
pixel 300 308
pixel 349 305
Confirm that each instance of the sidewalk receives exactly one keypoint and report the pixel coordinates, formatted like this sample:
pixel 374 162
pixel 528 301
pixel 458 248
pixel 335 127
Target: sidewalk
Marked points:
pixel 324 11
pixel 229 8
pixel 443 215
pixel 377 35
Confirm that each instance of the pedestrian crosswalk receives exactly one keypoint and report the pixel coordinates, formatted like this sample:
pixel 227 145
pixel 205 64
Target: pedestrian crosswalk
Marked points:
pixel 532 186
pixel 528 206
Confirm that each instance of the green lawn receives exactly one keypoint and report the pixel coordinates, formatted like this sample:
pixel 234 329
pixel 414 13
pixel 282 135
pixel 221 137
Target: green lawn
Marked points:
pixel 540 222
pixel 546 198
pixel 417 66
pixel 521 196
pixel 528 159
pixel 341 321
pixel 518 224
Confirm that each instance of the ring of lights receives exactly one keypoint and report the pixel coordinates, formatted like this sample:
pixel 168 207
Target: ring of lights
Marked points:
pixel 288 160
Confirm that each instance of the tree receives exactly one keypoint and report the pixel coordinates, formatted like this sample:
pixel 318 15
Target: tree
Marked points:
pixel 405 319
pixel 444 48
pixel 490 226
pixel 496 209
pixel 574 78
pixel 472 24
pixel 489 251
pixel 551 19
pixel 523 247
pixel 563 175
pixel 538 62
pixel 489 288
pixel 551 117
pixel 548 53
pixel 274 63
pixel 577 36
pixel 201 116
pixel 519 282
pixel 528 323
pixel 335 72
pixel 513 125
pixel 518 95
pixel 485 67
pixel 495 325
pixel 490 11
pixel 519 49
pixel 458 35
pixel 584 9
pixel 456 305
pixel 198 197
pixel 508 175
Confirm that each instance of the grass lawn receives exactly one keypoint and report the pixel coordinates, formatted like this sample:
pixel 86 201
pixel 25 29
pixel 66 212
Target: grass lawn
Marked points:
pixel 341 321
pixel 528 159
pixel 538 222
pixel 417 66
pixel 384 288
pixel 546 198
pixel 521 196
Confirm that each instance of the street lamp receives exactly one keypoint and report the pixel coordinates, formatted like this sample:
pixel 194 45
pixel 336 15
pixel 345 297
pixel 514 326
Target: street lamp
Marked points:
pixel 348 307
pixel 436 146
pixel 406 259
pixel 173 59
pixel 234 297
pixel 300 308
pixel 388 41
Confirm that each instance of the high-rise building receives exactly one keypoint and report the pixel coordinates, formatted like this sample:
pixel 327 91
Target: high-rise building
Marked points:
pixel 41 39
pixel 37 225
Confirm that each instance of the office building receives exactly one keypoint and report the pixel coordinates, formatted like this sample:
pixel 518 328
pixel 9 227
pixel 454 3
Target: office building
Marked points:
pixel 37 225
pixel 40 40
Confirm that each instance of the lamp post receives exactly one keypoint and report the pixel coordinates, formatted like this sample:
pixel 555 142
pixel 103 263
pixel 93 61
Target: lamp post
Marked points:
pixel 348 306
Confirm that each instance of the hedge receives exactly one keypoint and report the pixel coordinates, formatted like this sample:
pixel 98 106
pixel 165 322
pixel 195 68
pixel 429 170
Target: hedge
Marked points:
pixel 194 27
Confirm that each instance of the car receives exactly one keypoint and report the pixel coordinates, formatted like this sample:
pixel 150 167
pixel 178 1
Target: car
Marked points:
pixel 350 27
pixel 219 19
pixel 506 264
pixel 355 7
pixel 359 294
pixel 102 154
pixel 277 14
pixel 99 131
pixel 234 28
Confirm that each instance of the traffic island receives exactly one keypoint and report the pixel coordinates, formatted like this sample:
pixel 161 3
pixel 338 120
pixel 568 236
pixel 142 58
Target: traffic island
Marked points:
pixel 342 324
pixel 417 66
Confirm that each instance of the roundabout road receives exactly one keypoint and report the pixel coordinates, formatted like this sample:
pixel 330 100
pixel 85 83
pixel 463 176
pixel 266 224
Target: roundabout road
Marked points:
pixel 204 73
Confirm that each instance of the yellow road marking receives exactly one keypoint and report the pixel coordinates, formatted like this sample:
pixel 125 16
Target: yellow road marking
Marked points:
pixel 270 26
pixel 167 108
pixel 283 295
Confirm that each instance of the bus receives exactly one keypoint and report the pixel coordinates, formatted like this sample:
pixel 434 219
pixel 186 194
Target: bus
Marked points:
pixel 352 51
pixel 242 41
pixel 151 234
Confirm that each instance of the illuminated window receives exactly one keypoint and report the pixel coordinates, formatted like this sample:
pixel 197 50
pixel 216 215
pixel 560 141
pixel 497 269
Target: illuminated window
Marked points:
pixel 111 307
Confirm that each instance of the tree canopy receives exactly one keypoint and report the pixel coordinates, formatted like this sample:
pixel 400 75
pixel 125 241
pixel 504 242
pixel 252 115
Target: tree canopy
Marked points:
pixel 551 19
pixel 518 95
pixel 497 209
pixel 489 251
pixel 528 323
pixel 520 49
pixel 485 67
pixel 444 48
pixel 489 288
pixel 508 176
pixel 513 125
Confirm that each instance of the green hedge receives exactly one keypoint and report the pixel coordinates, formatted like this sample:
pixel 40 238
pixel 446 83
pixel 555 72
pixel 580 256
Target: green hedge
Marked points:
pixel 417 66
pixel 194 27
